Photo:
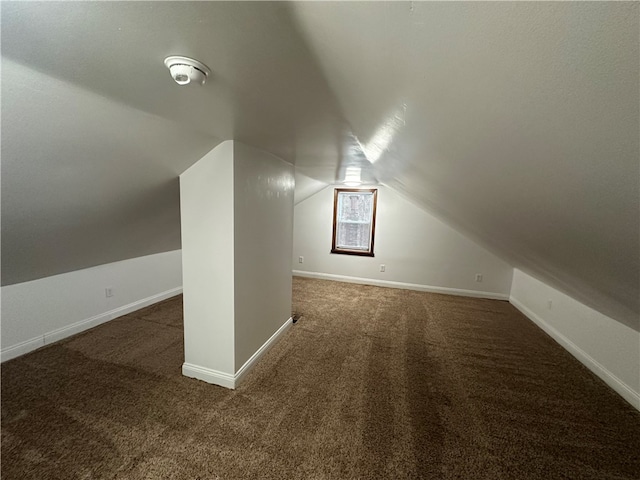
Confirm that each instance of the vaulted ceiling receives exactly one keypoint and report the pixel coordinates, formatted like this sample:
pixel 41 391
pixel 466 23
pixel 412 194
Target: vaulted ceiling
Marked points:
pixel 516 122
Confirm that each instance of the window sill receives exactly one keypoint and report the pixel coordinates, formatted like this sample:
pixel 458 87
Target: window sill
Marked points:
pixel 360 253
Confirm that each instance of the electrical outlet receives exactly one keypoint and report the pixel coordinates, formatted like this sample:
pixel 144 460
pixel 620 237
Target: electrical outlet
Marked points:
pixel 108 292
pixel 383 268
pixel 301 259
pixel 478 277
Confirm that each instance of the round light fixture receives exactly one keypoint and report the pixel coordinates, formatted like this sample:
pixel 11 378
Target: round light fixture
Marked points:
pixel 352 176
pixel 185 70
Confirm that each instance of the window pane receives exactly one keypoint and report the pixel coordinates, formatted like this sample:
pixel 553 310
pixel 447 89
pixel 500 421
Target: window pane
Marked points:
pixel 354 236
pixel 353 221
pixel 354 207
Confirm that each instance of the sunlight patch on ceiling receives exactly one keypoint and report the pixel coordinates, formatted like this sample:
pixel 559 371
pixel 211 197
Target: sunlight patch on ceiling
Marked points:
pixel 384 135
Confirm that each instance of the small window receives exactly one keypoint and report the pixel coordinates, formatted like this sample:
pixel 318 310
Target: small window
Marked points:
pixel 354 221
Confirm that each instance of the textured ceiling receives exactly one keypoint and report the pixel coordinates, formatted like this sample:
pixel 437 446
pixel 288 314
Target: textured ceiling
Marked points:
pixel 517 122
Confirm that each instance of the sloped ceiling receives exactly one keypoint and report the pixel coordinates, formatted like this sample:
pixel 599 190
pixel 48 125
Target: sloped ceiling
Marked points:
pixel 517 122
pixel 95 132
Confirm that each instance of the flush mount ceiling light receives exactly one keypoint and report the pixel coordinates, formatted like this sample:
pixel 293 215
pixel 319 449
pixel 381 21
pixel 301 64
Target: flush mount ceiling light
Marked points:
pixel 352 176
pixel 185 70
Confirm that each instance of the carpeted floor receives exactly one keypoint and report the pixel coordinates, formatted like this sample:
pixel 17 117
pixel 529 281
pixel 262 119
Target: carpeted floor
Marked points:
pixel 370 383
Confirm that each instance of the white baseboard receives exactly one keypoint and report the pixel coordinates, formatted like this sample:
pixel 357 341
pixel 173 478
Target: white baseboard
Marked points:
pixel 48 338
pixel 145 302
pixel 605 375
pixel 248 365
pixel 209 375
pixel 226 379
pixel 406 286
pixel 21 348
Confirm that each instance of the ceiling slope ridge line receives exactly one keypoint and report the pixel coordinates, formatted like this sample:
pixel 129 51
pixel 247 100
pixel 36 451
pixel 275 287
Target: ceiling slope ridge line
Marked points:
pixel 614 308
pixel 621 313
pixel 337 107
pixel 274 155
pixel 328 185
pixel 458 227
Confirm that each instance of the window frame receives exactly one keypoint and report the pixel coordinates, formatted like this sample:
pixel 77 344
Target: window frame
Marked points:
pixel 346 251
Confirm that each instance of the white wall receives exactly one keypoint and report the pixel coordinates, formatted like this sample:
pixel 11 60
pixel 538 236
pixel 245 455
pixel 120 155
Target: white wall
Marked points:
pixel 206 204
pixel 237 228
pixel 263 208
pixel 43 311
pixel 418 250
pixel 609 348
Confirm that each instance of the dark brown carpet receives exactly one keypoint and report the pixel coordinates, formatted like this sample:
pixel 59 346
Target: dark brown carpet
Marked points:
pixel 370 383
